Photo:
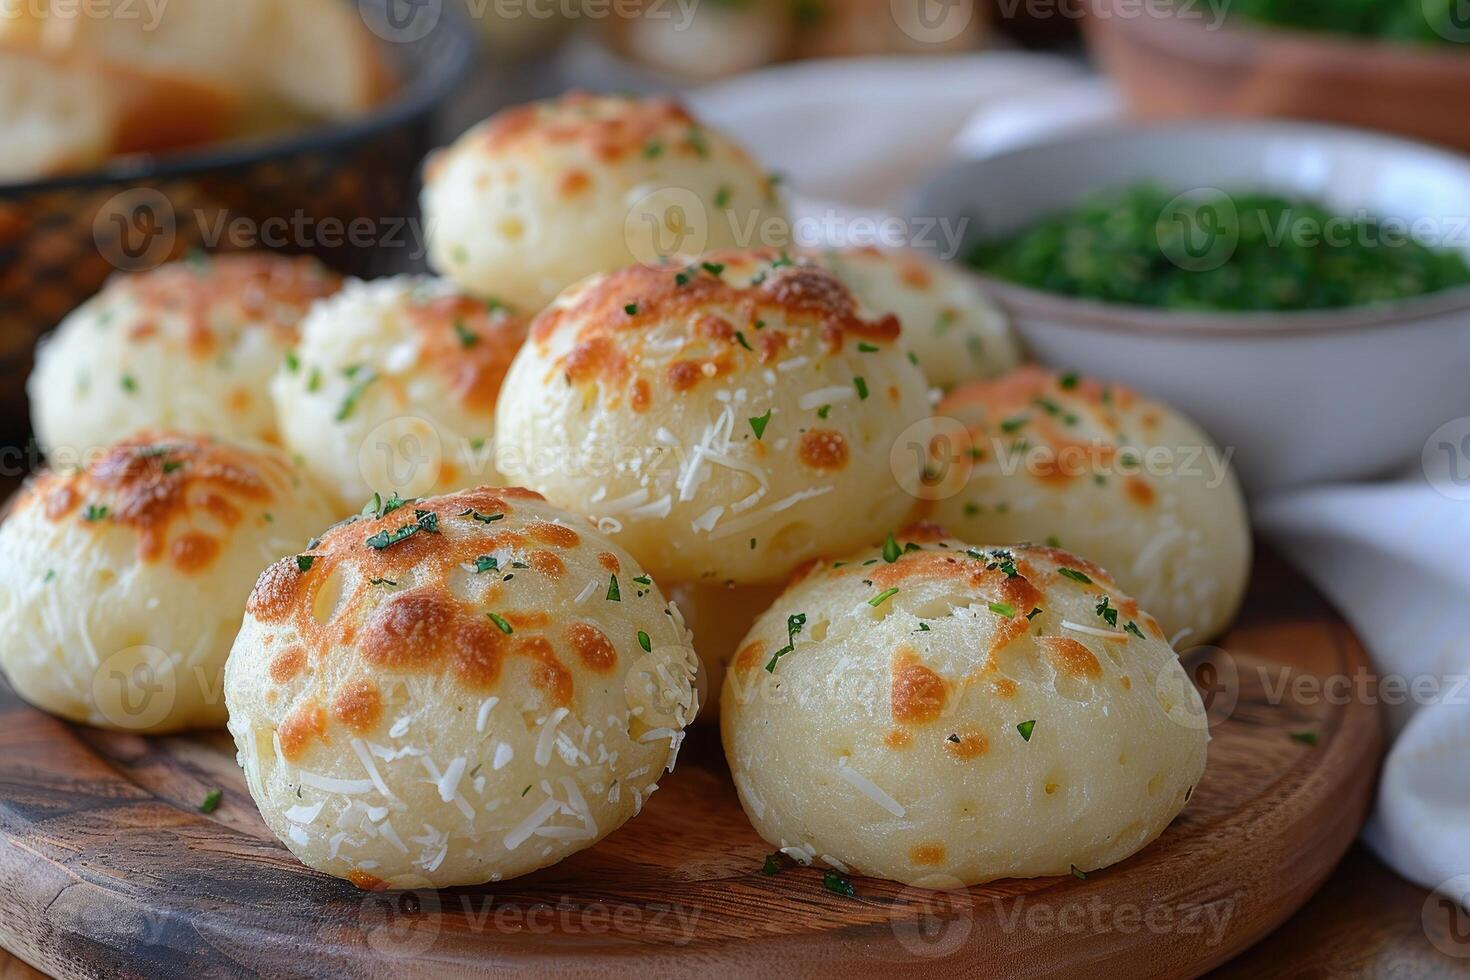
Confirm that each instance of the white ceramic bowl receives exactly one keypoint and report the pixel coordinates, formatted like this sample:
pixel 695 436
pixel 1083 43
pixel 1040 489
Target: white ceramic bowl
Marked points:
pixel 1299 397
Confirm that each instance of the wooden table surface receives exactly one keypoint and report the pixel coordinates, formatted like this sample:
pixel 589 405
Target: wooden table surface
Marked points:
pixel 1365 922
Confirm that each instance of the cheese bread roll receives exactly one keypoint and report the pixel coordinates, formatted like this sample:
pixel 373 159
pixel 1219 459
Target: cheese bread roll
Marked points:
pixel 122 584
pixel 189 346
pixel 456 690
pixel 725 417
pixel 949 323
pixel 542 195
pixel 1124 480
pixel 933 712
pixel 393 386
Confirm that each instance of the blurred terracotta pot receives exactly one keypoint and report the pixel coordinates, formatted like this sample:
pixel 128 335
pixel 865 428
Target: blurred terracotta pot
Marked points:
pixel 1185 63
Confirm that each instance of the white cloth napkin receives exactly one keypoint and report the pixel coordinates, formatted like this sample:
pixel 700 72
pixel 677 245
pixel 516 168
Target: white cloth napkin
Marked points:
pixel 1394 558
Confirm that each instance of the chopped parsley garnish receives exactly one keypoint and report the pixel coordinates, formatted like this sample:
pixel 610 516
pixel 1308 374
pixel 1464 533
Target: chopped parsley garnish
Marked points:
pixel 1074 575
pixel 1079 874
pixel 1003 609
pixel 467 337
pixel 382 581
pixel 614 594
pixel 314 380
pixel 50 575
pixel 1025 728
pixel 500 621
pixel 482 518
pixel 773 864
pixel 883 597
pixel 653 150
pixel 838 885
pixel 172 465
pixel 94 512
pixel 129 384
pixel 1306 738
pixel 1001 561
pixel 380 508
pixel 891 551
pixel 354 393
pixel 683 278
pixel 861 384
pixel 426 521
pixel 722 195
pixel 526 790
pixel 211 801
pixel 868 348
pixel 1132 627
pixel 824 411
pixel 1068 381
pixel 758 423
pixel 486 563
pixel 643 580
pixel 740 339
pixel 923 628
pixel 304 562
pixel 1107 612
pixel 1012 425
pixel 631 309
pixel 794 625
pixel 293 362
pixel 698 144
pixel 645 642
pixel 715 269
pixel 1034 613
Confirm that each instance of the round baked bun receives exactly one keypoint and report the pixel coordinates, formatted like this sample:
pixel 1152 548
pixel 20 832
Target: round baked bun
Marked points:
pixel 190 346
pixel 543 195
pixel 456 690
pixel 719 616
pixel 954 330
pixel 1126 481
pixel 938 714
pixel 122 584
pixel 393 388
pixel 726 417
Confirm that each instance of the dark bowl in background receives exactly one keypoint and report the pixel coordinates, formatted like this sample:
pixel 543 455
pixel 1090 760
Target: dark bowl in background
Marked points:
pixel 346 192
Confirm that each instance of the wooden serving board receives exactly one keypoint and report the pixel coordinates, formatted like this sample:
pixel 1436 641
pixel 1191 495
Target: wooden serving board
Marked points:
pixel 107 867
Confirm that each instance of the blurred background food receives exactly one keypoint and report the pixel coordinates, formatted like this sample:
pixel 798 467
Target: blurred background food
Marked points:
pixel 187 73
pixel 1395 65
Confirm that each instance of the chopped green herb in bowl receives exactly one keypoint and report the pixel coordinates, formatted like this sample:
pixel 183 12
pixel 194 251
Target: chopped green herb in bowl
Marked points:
pixel 1146 246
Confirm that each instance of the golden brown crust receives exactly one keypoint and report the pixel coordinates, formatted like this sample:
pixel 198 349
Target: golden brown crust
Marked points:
pixel 154 482
pixel 469 344
pixel 269 290
pixel 612 315
pixel 425 628
pixel 609 127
